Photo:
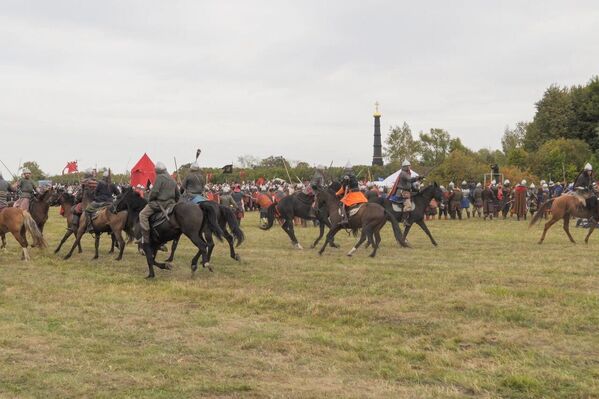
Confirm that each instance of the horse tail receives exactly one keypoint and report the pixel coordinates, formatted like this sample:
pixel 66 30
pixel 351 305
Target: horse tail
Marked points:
pixel 31 227
pixel 270 215
pixel 211 219
pixel 547 204
pixel 396 230
pixel 233 224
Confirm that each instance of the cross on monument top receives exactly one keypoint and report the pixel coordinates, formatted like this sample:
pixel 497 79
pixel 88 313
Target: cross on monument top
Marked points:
pixel 376 109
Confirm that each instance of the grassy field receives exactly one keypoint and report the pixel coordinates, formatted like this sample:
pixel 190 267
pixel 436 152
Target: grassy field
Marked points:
pixel 488 313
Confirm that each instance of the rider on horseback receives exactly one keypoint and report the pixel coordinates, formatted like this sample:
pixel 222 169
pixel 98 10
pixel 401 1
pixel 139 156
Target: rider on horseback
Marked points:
pixel 193 184
pixel 350 193
pixel 164 193
pixel 28 189
pixel 5 188
pixel 404 184
pixel 584 184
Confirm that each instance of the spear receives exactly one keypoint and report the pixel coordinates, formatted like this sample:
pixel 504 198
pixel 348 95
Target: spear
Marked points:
pixel 9 171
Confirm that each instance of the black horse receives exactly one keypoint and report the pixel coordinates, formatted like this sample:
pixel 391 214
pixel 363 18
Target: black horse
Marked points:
pixel 420 200
pixel 226 218
pixel 186 218
pixel 297 205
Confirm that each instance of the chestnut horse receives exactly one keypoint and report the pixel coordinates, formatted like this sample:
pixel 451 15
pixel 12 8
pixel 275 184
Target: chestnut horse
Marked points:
pixel 17 222
pixel 564 207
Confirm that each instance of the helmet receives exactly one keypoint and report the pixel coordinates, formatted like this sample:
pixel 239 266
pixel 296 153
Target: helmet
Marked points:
pixel 545 185
pixel 451 185
pixel 89 172
pixel 542 182
pixel 226 189
pixel 464 183
pixel 494 182
pixel 348 165
pixel 551 183
pixel 194 167
pixel 479 184
pixel 532 185
pixel 523 182
pixel 506 182
pixel 588 166
pixel 160 166
pixel 26 170
pixel 405 163
pixel 442 188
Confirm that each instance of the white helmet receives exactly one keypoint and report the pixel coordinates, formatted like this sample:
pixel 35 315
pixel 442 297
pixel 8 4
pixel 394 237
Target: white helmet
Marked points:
pixel 160 166
pixel 588 166
pixel 542 182
pixel 405 163
pixel 479 184
pixel 226 189
pixel 506 182
pixel 523 182
pixel 545 185
pixel 26 170
pixel 194 166
pixel 464 183
pixel 451 185
pixel 532 185
pixel 494 182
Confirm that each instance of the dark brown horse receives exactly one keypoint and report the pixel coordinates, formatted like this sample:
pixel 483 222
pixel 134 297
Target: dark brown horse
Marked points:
pixel 370 217
pixel 19 222
pixel 67 202
pixel 39 206
pixel 564 207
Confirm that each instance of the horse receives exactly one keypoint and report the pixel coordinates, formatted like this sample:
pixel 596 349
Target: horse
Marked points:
pixel 185 218
pixel 292 206
pixel 225 217
pixel 421 201
pixel 370 217
pixel 564 207
pixel 40 205
pixel 67 202
pixel 17 222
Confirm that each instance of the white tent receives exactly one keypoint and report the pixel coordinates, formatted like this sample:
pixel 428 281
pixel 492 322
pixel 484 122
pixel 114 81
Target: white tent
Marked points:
pixel 390 180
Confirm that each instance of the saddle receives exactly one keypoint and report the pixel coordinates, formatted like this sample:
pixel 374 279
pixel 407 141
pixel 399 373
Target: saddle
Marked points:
pixel 160 217
pixel 94 207
pixel 352 210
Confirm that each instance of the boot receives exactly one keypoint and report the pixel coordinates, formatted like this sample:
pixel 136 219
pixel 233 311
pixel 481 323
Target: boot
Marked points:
pixel 344 218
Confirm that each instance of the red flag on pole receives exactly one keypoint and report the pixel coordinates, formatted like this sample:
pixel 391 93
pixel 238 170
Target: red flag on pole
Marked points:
pixel 71 167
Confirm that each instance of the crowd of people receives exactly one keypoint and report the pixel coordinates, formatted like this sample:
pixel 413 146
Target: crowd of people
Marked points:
pixel 465 200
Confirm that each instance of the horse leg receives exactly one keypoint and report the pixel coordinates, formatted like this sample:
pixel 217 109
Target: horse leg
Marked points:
pixel 80 232
pixel 202 247
pixel 424 227
pixel 173 249
pixel 320 234
pixel 150 259
pixel 329 239
pixel 547 226
pixel 64 239
pixel 377 240
pixel 360 241
pixel 230 240
pixel 288 227
pixel 210 246
pixel 406 231
pixel 96 246
pixel 121 240
pixel 3 236
pixel 567 228
pixel 591 229
pixel 22 240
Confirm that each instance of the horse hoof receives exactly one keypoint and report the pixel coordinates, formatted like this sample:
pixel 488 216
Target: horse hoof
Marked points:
pixel 149 276
pixel 237 258
pixel 194 268
pixel 298 246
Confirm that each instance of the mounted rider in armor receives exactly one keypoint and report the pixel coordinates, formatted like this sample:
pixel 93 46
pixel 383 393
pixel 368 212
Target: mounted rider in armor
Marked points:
pixel 87 194
pixel 584 184
pixel 164 193
pixel 5 188
pixel 350 193
pixel 193 185
pixel 28 189
pixel 403 187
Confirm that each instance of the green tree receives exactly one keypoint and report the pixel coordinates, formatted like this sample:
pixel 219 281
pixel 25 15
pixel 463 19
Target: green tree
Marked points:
pixel 560 157
pixel 434 146
pixel 36 172
pixel 400 145
pixel 552 120
pixel 518 157
pixel 513 138
pixel 458 166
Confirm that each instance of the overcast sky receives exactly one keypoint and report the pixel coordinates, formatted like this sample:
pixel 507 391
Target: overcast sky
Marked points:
pixel 104 81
